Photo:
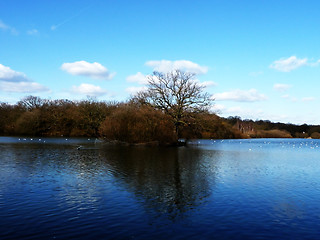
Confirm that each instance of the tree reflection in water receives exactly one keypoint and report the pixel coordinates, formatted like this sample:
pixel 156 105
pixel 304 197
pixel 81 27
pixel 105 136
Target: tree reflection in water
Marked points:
pixel 170 181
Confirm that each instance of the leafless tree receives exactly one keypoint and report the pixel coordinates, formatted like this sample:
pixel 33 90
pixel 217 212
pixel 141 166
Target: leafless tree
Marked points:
pixel 32 102
pixel 177 93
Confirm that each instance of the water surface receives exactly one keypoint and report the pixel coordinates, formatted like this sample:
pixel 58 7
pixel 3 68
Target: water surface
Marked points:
pixel 212 189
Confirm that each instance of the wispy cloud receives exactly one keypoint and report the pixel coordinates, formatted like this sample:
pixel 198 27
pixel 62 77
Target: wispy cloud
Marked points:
pixel 88 90
pixel 255 74
pixel 138 78
pixel 295 99
pixel 184 65
pixel 22 87
pixel 254 113
pixel 237 110
pixel 33 32
pixel 238 95
pixel 308 99
pixel 142 79
pixel 83 68
pixel 218 108
pixel 208 84
pixel 314 64
pixel 288 64
pixel 281 87
pixel 68 19
pixel 53 27
pixel 134 90
pixel 290 98
pixel 5 27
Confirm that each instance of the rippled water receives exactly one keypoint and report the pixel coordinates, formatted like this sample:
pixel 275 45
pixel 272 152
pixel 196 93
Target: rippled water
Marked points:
pixel 212 189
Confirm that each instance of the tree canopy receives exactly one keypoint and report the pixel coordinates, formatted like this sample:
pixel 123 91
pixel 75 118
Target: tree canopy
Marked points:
pixel 178 94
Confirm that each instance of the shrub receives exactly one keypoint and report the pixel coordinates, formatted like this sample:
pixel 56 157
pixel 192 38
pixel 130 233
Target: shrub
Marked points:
pixel 315 135
pixel 275 133
pixel 209 126
pixel 132 123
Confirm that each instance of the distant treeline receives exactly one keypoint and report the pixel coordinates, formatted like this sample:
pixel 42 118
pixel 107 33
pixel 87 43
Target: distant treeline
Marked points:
pixel 268 129
pixel 130 122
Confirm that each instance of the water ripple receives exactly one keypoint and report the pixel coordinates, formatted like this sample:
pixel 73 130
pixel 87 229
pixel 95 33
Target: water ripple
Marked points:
pixel 231 189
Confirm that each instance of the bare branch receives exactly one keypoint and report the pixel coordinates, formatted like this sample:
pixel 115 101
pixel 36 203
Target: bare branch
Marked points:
pixel 177 94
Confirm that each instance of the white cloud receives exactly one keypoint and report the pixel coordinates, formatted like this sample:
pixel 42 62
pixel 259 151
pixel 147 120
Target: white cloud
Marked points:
pixel 218 108
pixel 184 65
pixel 244 113
pixel 205 83
pixel 134 90
pixel 13 81
pixel 308 99
pixel 235 110
pixel 9 75
pixel 208 84
pixel 138 78
pixel 288 64
pixel 88 89
pixel 255 74
pixel 6 27
pixel 254 114
pixel 281 87
pixel 83 68
pixel 3 26
pixel 238 95
pixel 143 80
pixel 288 97
pixel 22 87
pixel 314 64
pixel 33 32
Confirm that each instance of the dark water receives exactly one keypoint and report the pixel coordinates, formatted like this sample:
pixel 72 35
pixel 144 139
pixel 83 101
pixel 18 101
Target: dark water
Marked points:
pixel 238 189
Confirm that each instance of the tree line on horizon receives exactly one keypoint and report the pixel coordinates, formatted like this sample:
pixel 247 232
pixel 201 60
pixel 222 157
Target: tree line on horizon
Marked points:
pixel 123 121
pixel 174 106
pixel 129 122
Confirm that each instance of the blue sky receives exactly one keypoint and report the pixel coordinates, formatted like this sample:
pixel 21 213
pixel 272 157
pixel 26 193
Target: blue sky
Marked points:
pixel 259 59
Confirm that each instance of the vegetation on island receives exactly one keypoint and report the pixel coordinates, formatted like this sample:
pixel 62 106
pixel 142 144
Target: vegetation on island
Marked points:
pixel 173 106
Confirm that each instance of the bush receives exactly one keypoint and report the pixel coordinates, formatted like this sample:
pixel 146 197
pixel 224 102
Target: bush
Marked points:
pixel 132 123
pixel 275 133
pixel 301 135
pixel 315 135
pixel 208 126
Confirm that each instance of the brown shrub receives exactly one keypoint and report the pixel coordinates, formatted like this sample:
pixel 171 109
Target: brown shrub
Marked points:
pixel 132 123
pixel 209 126
pixel 275 133
pixel 301 135
pixel 315 135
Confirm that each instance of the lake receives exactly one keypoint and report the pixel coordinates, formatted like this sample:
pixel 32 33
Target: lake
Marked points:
pixel 211 189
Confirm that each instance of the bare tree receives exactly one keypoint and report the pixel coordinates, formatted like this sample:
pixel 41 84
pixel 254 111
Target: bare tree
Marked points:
pixel 32 102
pixel 177 93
